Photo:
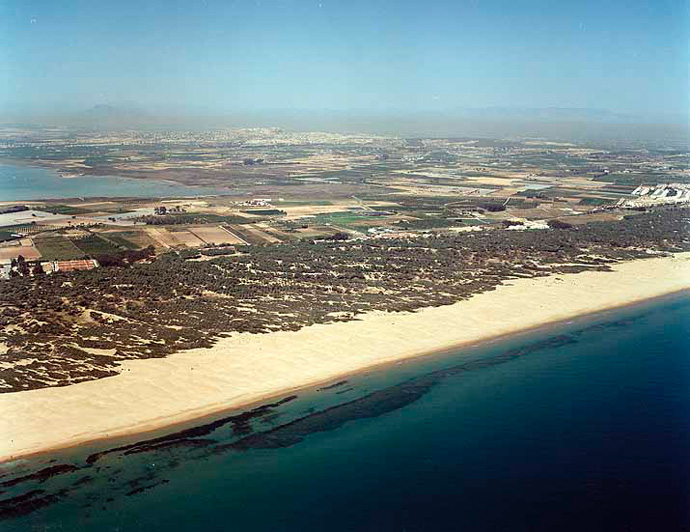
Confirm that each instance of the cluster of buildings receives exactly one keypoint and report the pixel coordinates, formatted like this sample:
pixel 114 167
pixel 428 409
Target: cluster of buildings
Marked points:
pixel 257 202
pixel 47 267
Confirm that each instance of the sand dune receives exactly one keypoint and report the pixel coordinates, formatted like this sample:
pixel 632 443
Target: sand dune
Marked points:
pixel 246 368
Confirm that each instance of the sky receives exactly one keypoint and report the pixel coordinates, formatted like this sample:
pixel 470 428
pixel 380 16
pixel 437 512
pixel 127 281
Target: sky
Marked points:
pixel 211 56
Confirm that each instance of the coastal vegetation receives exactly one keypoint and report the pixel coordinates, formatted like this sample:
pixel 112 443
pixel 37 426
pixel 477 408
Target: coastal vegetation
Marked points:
pixel 69 327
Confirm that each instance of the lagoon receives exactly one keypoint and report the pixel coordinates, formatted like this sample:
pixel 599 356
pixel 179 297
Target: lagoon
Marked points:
pixel 19 183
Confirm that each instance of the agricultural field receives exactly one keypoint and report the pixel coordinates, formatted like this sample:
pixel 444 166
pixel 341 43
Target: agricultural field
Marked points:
pixel 184 237
pixel 135 239
pixel 280 186
pixel 58 247
pixel 94 245
pixel 351 220
pixel 295 231
pixel 66 209
pixel 250 234
pixel 265 212
pixel 24 247
pixel 216 235
pixel 121 240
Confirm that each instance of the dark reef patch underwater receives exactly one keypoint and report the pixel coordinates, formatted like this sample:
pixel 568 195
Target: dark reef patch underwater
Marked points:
pixel 585 426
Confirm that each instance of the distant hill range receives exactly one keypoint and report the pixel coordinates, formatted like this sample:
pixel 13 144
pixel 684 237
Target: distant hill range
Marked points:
pixel 112 117
pixel 548 114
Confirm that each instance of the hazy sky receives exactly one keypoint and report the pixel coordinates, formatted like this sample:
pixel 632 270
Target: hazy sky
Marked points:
pixel 223 56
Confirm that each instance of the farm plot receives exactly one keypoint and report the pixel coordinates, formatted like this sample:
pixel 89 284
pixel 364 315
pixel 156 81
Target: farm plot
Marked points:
pixel 187 238
pixel 353 221
pixel 57 247
pixel 131 239
pixel 13 251
pixel 162 237
pixel 260 233
pixel 216 235
pixel 250 235
pixel 95 245
pixel 125 239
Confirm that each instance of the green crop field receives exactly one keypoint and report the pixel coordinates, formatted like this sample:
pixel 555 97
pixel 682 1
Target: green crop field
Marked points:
pixel 345 219
pixel 66 209
pixel 596 201
pixel 95 245
pixel 265 212
pixel 58 248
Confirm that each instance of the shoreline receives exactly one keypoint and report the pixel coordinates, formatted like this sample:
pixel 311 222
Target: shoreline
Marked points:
pixel 245 369
pixel 194 420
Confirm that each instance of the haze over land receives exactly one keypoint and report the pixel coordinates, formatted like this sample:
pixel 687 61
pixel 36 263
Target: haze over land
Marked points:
pixel 491 122
pixel 442 68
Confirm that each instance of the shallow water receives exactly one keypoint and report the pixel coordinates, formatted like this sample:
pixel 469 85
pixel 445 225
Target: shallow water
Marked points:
pixel 581 427
pixel 33 183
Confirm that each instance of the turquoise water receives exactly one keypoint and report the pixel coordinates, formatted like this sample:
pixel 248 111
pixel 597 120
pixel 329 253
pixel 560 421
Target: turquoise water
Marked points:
pixel 30 183
pixel 581 427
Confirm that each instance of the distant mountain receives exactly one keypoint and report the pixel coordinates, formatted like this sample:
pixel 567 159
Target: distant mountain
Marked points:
pixel 566 123
pixel 113 117
pixel 103 110
pixel 548 114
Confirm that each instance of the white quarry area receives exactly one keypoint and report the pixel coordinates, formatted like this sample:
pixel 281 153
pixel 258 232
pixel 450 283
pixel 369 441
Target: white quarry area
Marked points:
pixel 663 194
pixel 526 225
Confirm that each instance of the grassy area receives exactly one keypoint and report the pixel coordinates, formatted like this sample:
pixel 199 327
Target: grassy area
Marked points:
pixel 348 220
pixel 475 221
pixel 66 209
pixel 596 201
pixel 58 248
pixel 265 212
pixel 345 175
pixel 414 210
pixel 342 218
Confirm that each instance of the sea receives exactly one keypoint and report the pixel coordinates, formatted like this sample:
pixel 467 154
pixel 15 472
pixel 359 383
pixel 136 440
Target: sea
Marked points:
pixel 583 426
pixel 19 183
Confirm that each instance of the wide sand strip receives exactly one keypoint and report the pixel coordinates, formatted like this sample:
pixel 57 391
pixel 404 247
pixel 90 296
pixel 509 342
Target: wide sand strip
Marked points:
pixel 248 367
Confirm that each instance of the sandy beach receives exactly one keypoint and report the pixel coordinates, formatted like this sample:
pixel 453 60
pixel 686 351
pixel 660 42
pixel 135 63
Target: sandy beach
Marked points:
pixel 247 368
